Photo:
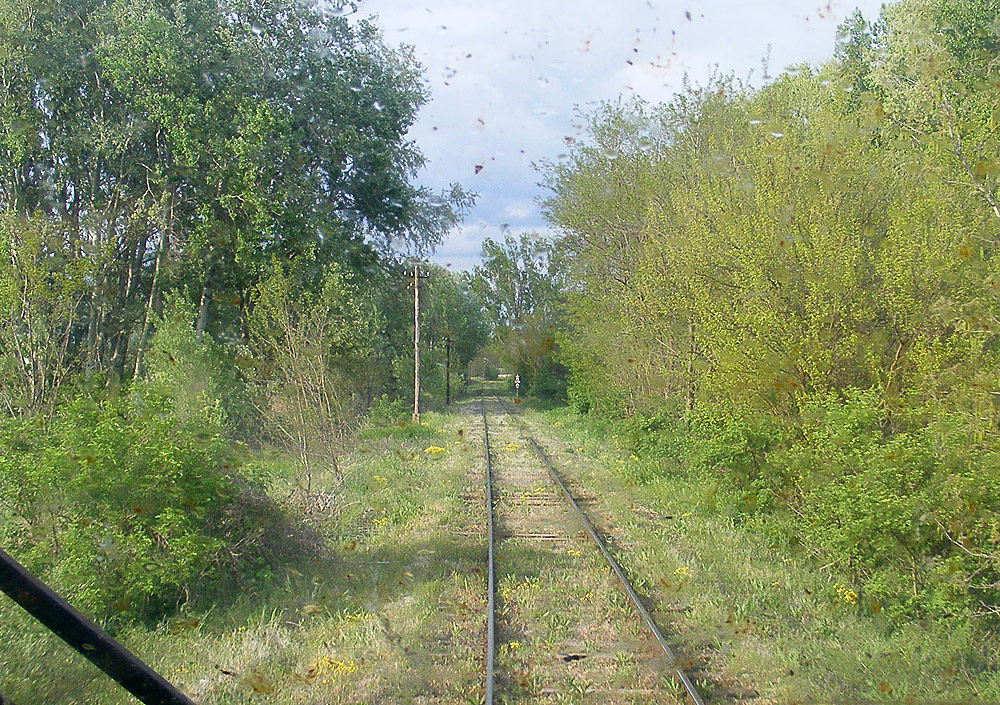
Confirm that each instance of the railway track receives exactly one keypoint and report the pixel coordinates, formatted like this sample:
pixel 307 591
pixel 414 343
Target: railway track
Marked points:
pixel 534 506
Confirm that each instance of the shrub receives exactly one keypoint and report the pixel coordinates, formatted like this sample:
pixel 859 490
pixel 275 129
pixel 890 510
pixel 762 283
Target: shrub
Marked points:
pixel 132 502
pixel 204 382
pixel 117 502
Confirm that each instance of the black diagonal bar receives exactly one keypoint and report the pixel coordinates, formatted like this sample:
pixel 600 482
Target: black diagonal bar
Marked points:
pixel 85 636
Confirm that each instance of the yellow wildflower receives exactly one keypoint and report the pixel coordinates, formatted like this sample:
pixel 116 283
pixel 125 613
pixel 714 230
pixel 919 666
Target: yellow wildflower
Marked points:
pixel 846 594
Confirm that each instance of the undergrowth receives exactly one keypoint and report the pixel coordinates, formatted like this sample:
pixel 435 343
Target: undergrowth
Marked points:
pixel 793 554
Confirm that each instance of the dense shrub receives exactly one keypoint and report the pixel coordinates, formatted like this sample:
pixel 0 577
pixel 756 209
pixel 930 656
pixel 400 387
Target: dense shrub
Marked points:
pixel 130 502
pixel 903 506
pixel 116 503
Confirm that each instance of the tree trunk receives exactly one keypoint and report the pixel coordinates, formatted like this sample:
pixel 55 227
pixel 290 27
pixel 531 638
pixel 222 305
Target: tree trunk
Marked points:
pixel 202 322
pixel 689 393
pixel 147 320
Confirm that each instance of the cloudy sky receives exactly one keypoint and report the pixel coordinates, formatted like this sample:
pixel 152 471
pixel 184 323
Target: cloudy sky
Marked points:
pixel 509 77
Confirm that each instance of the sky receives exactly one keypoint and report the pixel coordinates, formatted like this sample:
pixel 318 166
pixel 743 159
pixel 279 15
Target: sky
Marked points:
pixel 509 80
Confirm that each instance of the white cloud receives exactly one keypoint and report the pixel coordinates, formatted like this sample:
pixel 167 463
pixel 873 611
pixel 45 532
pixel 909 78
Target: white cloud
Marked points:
pixel 520 209
pixel 506 77
pixel 463 248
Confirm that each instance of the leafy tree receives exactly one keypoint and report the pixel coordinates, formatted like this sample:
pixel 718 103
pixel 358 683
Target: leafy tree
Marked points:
pixel 513 279
pixel 183 144
pixel 797 283
pixel 519 282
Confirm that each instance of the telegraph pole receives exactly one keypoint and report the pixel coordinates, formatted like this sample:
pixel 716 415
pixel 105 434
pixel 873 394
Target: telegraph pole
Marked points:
pixel 417 276
pixel 447 371
pixel 416 343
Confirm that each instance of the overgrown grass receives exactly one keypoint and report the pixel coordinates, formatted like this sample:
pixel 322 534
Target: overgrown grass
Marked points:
pixel 566 631
pixel 744 600
pixel 386 609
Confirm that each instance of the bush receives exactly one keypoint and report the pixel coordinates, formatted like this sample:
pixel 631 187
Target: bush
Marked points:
pixel 130 503
pixel 204 382
pixel 117 503
pixel 908 510
pixel 549 382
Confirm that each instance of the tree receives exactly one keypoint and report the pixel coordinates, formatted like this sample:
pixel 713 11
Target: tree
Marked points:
pixel 520 284
pixel 311 345
pixel 513 279
pixel 184 144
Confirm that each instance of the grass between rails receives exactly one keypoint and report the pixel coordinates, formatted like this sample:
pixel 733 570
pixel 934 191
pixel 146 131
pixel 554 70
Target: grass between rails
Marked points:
pixel 566 633
pixel 755 617
pixel 391 608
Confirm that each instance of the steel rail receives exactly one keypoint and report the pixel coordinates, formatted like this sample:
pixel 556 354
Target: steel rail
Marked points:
pixel 39 600
pixel 491 571
pixel 633 595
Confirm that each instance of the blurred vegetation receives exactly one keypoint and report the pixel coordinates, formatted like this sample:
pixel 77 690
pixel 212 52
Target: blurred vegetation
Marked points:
pixel 521 283
pixel 792 291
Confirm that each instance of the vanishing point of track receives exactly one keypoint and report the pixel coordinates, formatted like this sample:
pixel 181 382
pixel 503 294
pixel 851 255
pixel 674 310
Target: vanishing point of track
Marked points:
pixel 671 661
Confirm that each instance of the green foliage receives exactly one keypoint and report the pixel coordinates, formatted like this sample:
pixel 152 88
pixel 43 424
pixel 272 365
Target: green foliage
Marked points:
pixel 311 342
pixel 519 283
pixel 454 328
pixel 117 503
pixel 199 202
pixel 513 279
pixel 206 385
pixel 41 289
pixel 548 381
pixel 180 147
pixel 791 291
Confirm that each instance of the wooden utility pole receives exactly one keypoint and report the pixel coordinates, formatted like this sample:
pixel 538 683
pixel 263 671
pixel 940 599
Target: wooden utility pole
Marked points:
pixel 447 371
pixel 416 343
pixel 417 276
